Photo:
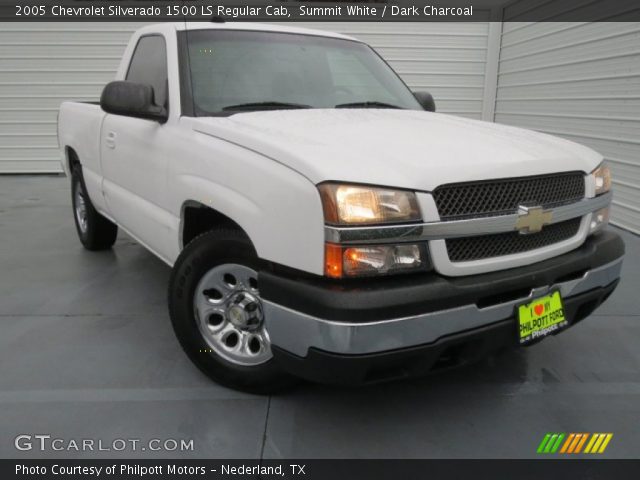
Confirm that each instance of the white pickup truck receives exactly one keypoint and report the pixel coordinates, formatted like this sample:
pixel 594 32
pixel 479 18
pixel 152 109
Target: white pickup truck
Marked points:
pixel 322 221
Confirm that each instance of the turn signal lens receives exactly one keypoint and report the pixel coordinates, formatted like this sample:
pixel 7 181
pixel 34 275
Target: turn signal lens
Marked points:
pixel 332 260
pixel 360 205
pixel 602 178
pixel 372 260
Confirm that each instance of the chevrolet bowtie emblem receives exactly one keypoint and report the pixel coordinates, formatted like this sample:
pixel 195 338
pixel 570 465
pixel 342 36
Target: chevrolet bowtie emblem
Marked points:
pixel 532 219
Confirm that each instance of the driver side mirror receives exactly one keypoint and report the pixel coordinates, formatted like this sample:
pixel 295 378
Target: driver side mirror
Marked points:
pixel 132 100
pixel 425 99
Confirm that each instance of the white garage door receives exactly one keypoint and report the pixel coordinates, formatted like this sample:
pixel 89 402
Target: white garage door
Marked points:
pixel 582 82
pixel 43 64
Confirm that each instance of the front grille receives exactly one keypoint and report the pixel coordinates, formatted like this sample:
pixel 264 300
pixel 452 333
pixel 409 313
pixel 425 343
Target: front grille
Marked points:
pixel 488 246
pixel 501 197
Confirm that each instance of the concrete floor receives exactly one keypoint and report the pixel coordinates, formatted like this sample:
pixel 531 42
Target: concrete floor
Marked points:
pixel 87 351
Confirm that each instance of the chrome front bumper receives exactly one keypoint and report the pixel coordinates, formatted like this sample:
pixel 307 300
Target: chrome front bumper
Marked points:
pixel 297 332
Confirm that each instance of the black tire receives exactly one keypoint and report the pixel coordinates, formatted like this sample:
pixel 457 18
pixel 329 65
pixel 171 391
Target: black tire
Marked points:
pixel 200 256
pixel 98 233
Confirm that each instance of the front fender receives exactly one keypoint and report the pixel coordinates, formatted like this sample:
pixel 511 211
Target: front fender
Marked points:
pixel 278 208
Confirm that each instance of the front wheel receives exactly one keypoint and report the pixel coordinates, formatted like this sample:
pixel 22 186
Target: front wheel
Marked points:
pixel 217 313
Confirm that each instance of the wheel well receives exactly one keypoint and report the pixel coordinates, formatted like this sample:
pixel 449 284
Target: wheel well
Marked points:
pixel 72 158
pixel 198 219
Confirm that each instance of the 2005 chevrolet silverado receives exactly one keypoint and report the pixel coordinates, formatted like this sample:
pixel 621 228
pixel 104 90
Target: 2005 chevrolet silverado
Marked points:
pixel 321 220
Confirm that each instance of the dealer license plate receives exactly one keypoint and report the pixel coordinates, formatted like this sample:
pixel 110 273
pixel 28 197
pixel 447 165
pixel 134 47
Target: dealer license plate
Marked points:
pixel 540 318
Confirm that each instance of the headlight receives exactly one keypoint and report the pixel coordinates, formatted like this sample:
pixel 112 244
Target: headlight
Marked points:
pixel 361 205
pixel 602 179
pixel 346 261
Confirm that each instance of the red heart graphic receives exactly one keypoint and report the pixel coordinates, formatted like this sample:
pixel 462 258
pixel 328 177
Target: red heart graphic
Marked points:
pixel 538 309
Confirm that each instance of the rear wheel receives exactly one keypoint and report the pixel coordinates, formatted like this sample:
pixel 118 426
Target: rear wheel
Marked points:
pixel 95 231
pixel 217 313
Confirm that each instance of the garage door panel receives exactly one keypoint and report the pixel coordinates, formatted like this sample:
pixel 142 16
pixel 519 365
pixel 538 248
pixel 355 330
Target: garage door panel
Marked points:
pixel 65 90
pixel 33 166
pixel 58 65
pixel 433 54
pixel 56 78
pixel 15 128
pixel 21 115
pixel 28 139
pixel 606 86
pixel 617 44
pixel 34 102
pixel 30 153
pixel 551 36
pixel 86 52
pixel 623 129
pixel 612 65
pixel 564 105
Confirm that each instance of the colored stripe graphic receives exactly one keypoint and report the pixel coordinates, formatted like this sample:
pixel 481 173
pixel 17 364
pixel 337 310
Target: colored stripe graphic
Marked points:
pixel 607 439
pixel 567 443
pixel 554 449
pixel 591 442
pixel 574 443
pixel 543 443
pixel 576 439
pixel 581 442
pixel 599 442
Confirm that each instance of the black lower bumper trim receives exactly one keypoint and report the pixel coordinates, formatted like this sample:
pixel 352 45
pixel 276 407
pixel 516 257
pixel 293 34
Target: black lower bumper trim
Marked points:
pixel 372 299
pixel 447 352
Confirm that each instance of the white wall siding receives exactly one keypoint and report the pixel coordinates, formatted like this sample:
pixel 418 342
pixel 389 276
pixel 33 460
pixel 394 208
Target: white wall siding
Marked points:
pixel 582 82
pixel 44 64
pixel 446 59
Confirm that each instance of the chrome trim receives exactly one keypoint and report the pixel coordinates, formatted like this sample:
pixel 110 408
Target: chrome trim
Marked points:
pixel 455 228
pixel 296 332
pixel 443 265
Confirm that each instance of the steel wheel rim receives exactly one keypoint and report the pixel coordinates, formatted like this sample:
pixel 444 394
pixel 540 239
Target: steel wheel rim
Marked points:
pixel 230 316
pixel 81 209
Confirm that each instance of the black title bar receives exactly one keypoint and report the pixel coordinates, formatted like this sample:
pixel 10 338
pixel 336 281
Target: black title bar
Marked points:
pixel 326 11
pixel 534 469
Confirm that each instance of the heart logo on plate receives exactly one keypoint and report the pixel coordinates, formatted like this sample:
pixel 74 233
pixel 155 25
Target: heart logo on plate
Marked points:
pixel 538 309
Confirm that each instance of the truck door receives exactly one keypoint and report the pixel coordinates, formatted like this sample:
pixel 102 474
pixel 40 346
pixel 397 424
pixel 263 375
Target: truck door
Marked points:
pixel 134 160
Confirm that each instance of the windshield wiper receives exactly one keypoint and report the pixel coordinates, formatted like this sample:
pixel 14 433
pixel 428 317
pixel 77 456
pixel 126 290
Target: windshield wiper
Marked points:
pixel 265 106
pixel 372 104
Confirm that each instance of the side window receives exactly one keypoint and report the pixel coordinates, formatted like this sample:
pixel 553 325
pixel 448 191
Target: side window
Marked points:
pixel 149 65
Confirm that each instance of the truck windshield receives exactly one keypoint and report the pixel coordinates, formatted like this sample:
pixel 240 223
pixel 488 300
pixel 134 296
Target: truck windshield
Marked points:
pixel 236 70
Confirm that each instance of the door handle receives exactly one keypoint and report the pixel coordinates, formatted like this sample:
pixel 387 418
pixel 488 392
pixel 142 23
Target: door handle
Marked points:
pixel 110 141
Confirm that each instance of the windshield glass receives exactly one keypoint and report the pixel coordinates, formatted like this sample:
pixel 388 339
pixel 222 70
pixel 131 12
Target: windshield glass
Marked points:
pixel 247 70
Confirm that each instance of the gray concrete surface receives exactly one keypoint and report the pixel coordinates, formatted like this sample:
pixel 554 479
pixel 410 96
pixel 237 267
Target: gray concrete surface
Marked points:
pixel 87 351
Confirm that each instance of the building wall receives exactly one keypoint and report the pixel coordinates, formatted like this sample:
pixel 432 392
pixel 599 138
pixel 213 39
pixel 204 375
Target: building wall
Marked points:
pixel 581 82
pixel 43 64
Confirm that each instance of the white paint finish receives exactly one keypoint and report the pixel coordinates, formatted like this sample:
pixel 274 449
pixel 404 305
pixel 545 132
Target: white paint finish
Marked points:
pixel 260 168
pixel 44 64
pixel 359 145
pixel 580 81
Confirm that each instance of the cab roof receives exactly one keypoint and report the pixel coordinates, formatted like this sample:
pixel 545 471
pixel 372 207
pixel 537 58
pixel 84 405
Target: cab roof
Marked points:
pixel 258 27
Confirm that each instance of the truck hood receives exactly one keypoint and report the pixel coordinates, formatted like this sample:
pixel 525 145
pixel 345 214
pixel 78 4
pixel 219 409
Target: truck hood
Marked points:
pixel 399 148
